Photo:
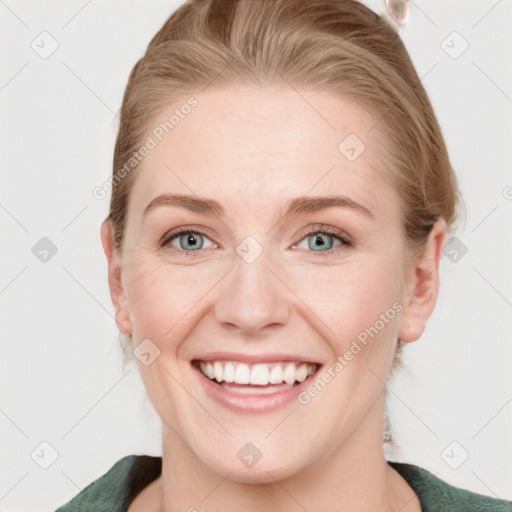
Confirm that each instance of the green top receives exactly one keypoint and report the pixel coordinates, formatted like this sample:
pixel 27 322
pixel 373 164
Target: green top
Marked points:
pixel 117 488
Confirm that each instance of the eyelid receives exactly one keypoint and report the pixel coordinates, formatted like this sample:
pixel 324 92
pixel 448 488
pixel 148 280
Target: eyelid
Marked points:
pixel 324 228
pixel 172 233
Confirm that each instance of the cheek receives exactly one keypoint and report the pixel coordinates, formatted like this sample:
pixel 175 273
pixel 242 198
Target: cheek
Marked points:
pixel 351 297
pixel 162 297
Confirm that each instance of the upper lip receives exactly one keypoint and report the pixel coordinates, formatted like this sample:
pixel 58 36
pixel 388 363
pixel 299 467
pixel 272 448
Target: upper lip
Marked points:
pixel 254 358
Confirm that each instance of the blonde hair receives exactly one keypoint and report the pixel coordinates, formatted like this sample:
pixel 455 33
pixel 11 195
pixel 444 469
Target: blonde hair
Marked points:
pixel 336 45
pixel 329 45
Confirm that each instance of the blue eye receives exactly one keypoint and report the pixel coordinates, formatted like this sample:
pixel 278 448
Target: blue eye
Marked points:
pixel 319 240
pixel 189 240
pixel 322 240
pixel 194 240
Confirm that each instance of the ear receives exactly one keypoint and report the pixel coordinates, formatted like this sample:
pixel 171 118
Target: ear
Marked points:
pixel 123 320
pixel 422 285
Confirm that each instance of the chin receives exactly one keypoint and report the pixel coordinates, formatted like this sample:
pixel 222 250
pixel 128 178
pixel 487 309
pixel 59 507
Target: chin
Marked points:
pixel 251 465
pixel 261 473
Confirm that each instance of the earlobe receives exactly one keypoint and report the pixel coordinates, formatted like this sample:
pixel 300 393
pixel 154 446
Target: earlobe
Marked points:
pixel 117 295
pixel 423 286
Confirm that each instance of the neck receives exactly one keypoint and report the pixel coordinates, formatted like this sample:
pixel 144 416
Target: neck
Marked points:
pixel 354 476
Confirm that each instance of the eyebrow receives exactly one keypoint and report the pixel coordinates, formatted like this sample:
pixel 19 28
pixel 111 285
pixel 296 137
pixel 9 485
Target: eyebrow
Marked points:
pixel 295 206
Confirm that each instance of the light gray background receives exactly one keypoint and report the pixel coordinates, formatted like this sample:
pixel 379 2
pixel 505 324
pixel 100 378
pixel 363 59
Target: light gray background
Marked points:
pixel 61 375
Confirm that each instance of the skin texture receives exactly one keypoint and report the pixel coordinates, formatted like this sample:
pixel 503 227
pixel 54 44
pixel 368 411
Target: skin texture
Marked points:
pixel 252 150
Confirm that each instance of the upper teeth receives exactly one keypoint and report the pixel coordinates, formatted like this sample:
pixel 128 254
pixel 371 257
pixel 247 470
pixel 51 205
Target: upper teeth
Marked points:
pixel 257 374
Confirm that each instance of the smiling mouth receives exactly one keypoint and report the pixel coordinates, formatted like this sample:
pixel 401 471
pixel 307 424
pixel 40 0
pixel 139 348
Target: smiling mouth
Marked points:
pixel 262 377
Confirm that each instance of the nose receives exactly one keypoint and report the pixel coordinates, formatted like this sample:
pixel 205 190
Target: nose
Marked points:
pixel 253 297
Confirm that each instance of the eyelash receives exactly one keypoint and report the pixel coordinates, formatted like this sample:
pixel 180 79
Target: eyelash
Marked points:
pixel 314 230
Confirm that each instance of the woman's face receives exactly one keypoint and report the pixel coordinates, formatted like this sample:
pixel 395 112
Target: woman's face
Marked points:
pixel 275 283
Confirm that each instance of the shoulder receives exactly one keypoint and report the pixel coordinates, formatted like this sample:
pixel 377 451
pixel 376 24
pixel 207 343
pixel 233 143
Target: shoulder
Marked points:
pixel 435 494
pixel 114 491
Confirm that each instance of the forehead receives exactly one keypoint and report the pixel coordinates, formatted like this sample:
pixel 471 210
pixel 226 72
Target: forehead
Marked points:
pixel 255 145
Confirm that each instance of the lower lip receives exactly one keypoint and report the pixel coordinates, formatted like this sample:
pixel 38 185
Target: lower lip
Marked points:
pixel 251 403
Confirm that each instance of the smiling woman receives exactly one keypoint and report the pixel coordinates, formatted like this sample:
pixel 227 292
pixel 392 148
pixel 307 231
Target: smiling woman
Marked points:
pixel 271 254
